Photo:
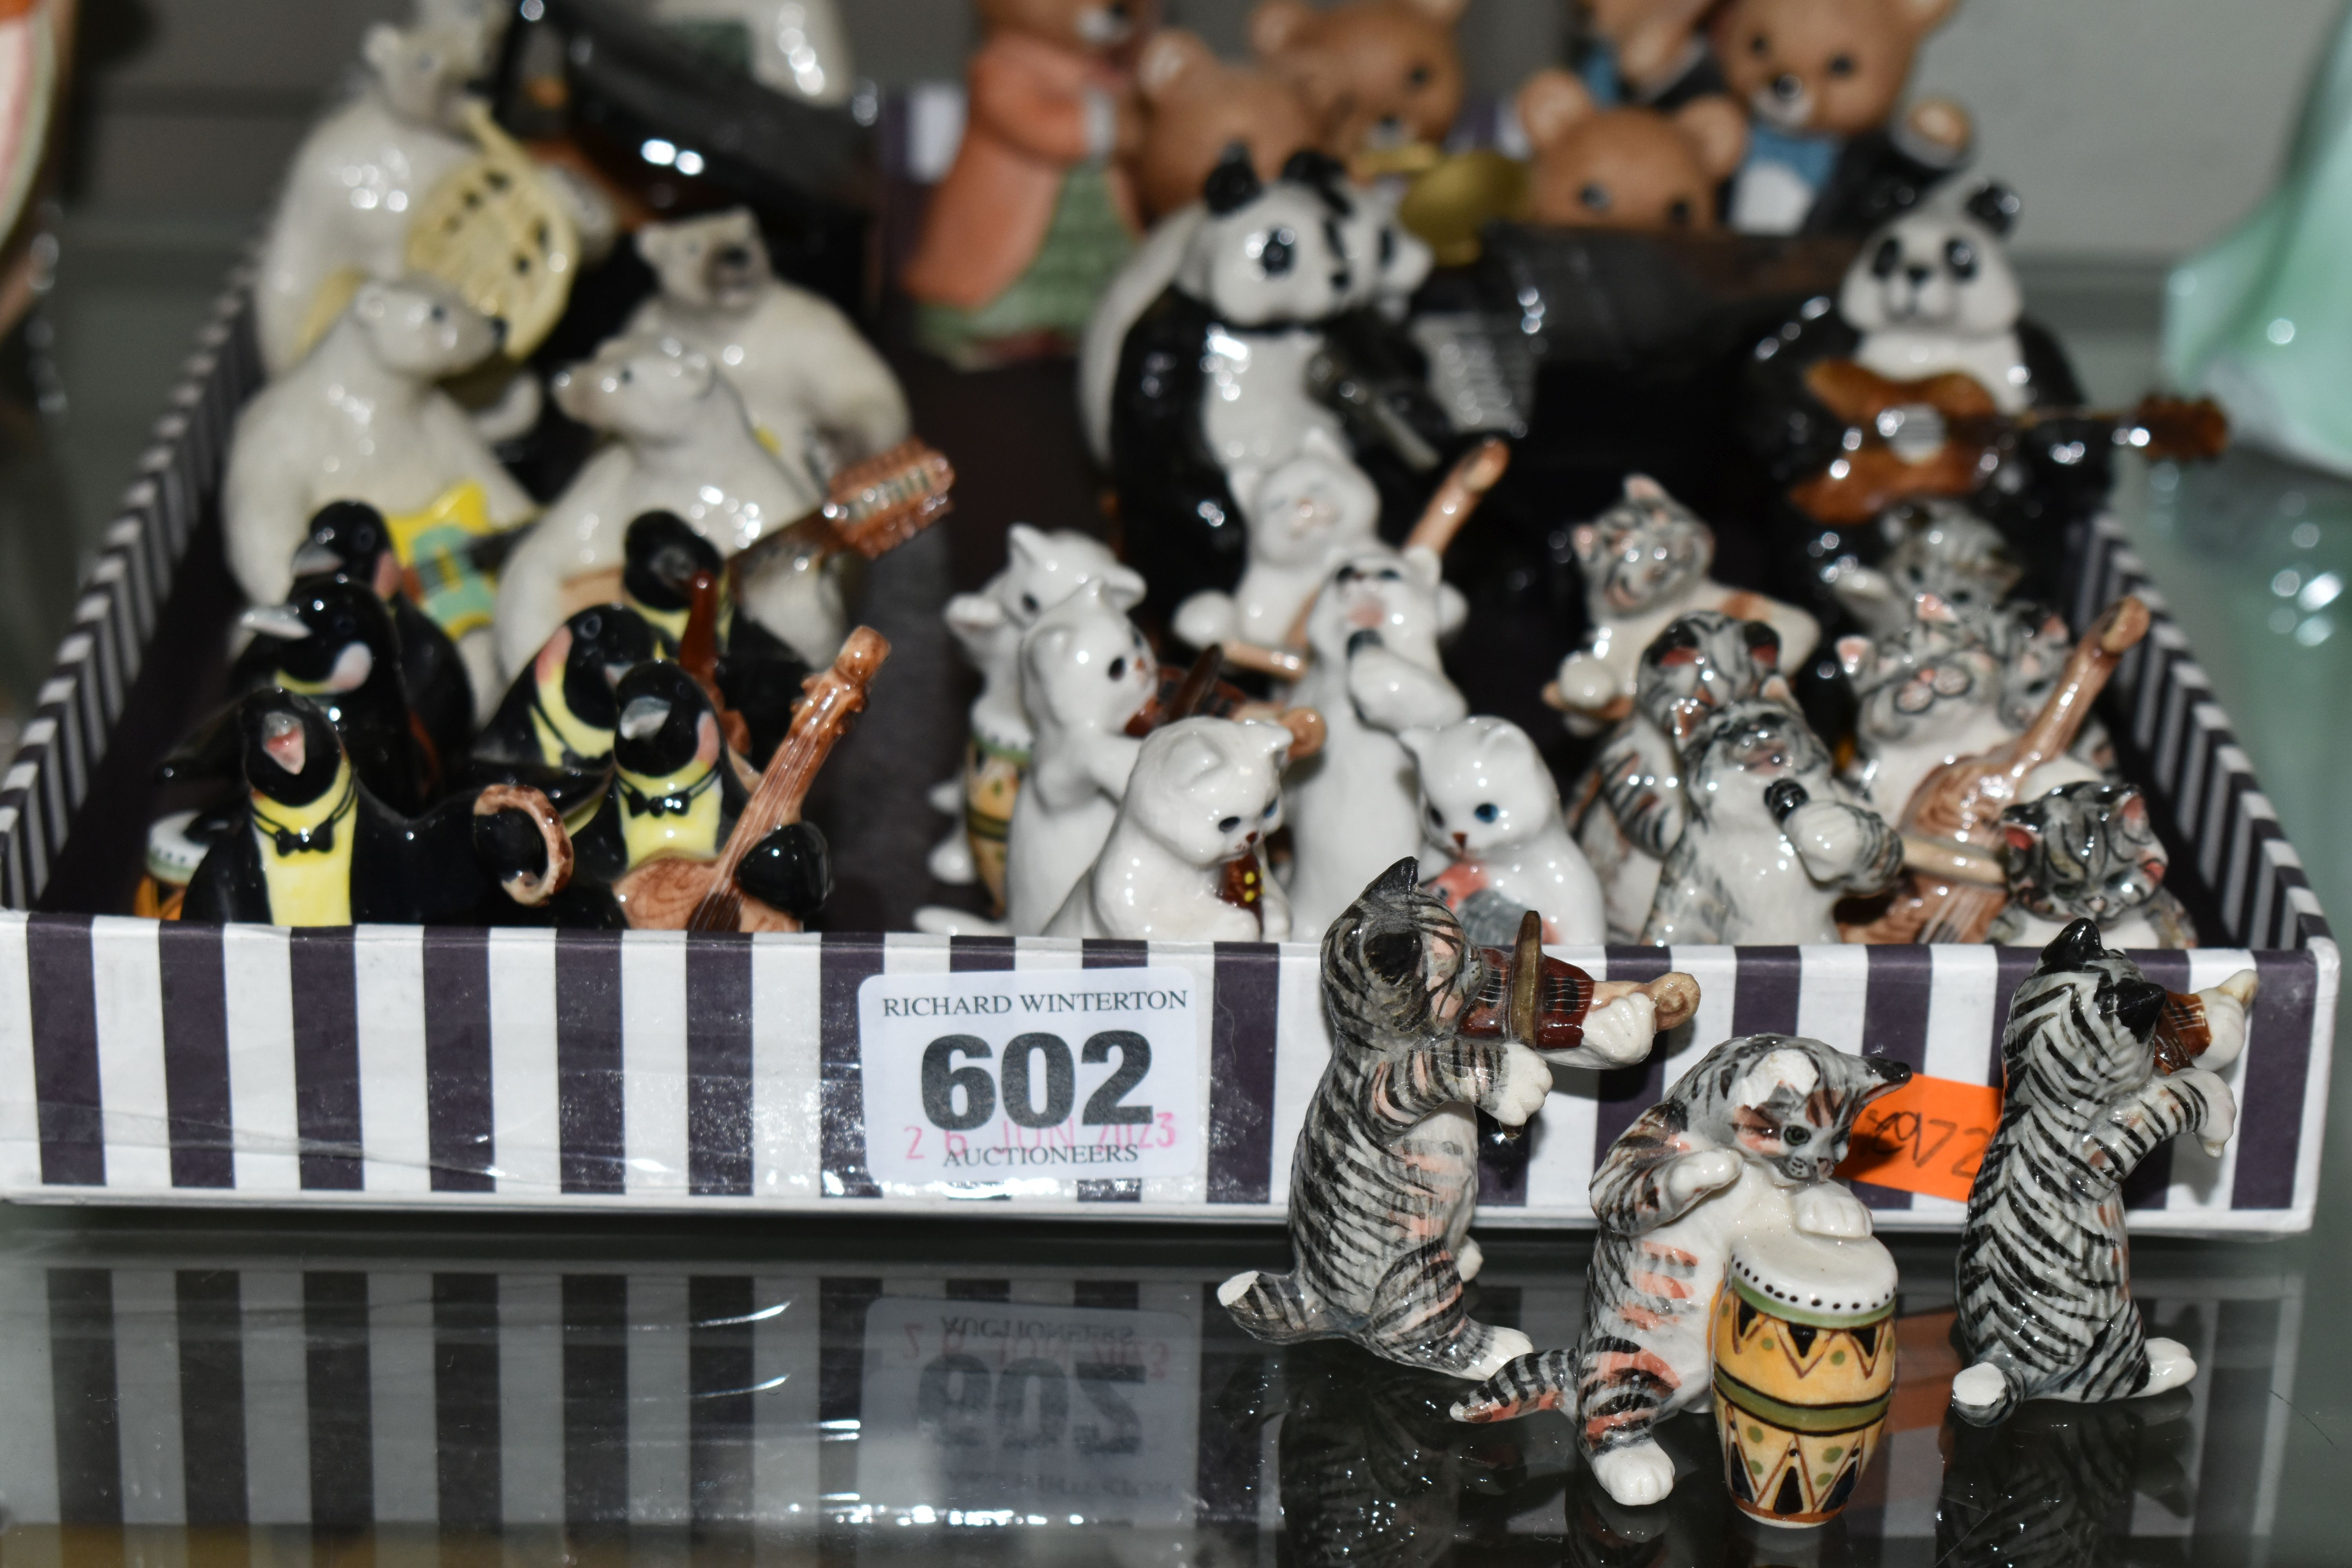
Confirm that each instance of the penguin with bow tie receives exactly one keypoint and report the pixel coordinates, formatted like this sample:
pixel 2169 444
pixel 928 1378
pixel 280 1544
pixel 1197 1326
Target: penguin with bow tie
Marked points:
pixel 676 794
pixel 311 844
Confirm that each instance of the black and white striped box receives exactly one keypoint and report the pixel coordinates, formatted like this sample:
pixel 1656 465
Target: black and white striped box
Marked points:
pixel 394 1067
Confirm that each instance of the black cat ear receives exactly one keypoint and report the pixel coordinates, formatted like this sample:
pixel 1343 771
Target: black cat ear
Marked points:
pixel 2076 947
pixel 1233 183
pixel 1996 207
pixel 1887 1070
pixel 1401 877
pixel 2138 1005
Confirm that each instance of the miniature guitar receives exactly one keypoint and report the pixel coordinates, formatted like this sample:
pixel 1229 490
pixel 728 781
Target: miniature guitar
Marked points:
pixel 1942 436
pixel 703 895
pixel 872 507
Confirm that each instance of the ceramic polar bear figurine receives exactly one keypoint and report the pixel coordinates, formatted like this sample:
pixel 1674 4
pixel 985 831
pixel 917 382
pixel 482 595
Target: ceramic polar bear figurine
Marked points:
pixel 1041 570
pixel 1086 672
pixel 1491 811
pixel 816 391
pixel 1645 563
pixel 681 445
pixel 1185 860
pixel 355 182
pixel 1354 808
pixel 362 419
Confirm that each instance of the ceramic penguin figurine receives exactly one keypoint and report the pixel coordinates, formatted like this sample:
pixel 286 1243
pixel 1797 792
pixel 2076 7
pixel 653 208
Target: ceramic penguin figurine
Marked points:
pixel 1185 858
pixel 681 443
pixel 1214 435
pixel 1772 841
pixel 1040 571
pixel 1738 1152
pixel 817 393
pixel 355 183
pixel 1373 673
pixel 1490 814
pixel 348 539
pixel 1645 562
pixel 1631 805
pixel 1385 1177
pixel 314 847
pixel 2102 1067
pixel 560 713
pixel 757 674
pixel 361 419
pixel 1087 678
pixel 2087 850
pixel 675 791
pixel 334 643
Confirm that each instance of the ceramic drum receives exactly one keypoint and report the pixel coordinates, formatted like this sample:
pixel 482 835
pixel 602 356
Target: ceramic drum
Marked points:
pixel 1803 1344
pixel 992 782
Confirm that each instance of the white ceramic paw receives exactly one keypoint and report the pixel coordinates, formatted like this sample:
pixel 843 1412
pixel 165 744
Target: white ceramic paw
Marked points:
pixel 1468 1258
pixel 1634 1476
pixel 949 861
pixel 2220 1108
pixel 1827 1208
pixel 1234 1289
pixel 1620 1033
pixel 2169 1365
pixel 1978 1387
pixel 1586 683
pixel 2226 1006
pixel 1694 1175
pixel 1522 1083
pixel 1830 839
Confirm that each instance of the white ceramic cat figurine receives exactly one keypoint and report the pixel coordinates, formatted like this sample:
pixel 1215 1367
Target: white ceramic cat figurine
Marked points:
pixel 1630 806
pixel 1184 861
pixel 1086 672
pixel 1373 673
pixel 682 443
pixel 364 419
pixel 817 392
pixel 1490 809
pixel 1646 562
pixel 1316 504
pixel 356 181
pixel 1040 571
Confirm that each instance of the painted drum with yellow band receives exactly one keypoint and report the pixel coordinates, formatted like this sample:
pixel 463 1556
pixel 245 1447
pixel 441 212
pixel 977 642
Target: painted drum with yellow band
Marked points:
pixel 1803 1342
pixel 992 783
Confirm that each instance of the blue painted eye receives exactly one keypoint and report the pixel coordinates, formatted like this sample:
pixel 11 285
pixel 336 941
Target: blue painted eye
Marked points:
pixel 1226 825
pixel 1436 816
pixel 1487 811
pixel 1271 807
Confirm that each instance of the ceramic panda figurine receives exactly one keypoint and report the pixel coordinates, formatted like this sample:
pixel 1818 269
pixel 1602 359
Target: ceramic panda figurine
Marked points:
pixel 1212 427
pixel 1930 294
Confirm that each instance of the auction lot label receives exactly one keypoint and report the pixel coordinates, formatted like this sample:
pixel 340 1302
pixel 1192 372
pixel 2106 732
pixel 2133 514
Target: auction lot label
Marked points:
pixel 1032 1080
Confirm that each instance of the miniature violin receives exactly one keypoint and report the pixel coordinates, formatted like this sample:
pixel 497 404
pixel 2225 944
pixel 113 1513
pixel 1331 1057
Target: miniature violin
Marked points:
pixel 704 895
pixel 1942 436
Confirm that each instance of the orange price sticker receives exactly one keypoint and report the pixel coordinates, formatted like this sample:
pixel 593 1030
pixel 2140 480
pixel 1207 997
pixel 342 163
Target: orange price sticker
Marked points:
pixel 1926 1137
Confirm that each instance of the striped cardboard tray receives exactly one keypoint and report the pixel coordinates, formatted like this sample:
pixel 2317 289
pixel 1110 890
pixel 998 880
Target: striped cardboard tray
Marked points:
pixel 392 1067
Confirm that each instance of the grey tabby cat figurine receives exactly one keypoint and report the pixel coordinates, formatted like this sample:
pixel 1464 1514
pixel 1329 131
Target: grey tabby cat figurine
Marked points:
pixel 1629 807
pixel 1425 1027
pixel 1773 841
pixel 2101 1065
pixel 1932 545
pixel 1742 1146
pixel 2087 851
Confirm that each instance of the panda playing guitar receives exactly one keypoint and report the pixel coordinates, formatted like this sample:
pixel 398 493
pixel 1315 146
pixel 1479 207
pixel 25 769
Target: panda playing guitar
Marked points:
pixel 1928 380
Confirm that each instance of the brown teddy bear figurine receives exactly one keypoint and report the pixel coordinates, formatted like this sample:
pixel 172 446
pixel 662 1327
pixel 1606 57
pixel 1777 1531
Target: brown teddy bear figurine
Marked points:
pixel 1385 74
pixel 1648 51
pixel 1823 78
pixel 1196 106
pixel 1626 168
pixel 1035 215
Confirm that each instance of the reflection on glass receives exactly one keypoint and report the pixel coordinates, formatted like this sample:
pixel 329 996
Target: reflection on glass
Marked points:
pixel 583 1411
